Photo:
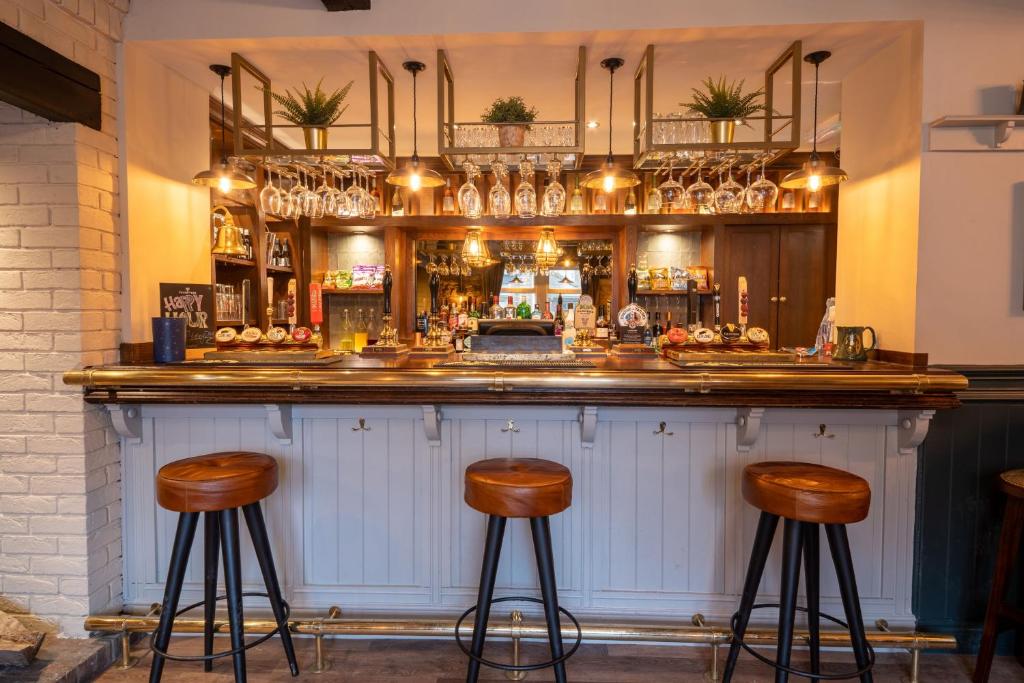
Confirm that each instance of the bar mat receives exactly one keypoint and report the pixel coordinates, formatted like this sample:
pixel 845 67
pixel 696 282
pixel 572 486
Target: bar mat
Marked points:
pixel 514 364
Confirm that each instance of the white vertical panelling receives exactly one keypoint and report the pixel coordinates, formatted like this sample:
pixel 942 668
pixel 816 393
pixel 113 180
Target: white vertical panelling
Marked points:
pixel 376 517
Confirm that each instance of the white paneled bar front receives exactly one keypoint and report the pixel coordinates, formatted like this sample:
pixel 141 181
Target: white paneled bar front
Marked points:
pixel 369 514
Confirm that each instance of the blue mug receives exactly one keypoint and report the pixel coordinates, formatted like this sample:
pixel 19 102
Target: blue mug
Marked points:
pixel 168 340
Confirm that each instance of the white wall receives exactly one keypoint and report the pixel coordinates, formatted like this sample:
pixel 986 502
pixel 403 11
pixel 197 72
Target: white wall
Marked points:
pixel 876 264
pixel 165 142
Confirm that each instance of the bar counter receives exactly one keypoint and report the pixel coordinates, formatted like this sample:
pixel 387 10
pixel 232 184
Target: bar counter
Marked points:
pixel 614 381
pixel 369 513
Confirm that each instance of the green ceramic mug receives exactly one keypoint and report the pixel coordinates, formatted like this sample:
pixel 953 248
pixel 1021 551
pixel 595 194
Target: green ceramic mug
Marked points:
pixel 850 343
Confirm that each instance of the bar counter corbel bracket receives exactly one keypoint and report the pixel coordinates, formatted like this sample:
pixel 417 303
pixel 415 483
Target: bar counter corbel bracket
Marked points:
pixel 432 424
pixel 748 427
pixel 588 425
pixel 279 418
pixel 913 427
pixel 127 421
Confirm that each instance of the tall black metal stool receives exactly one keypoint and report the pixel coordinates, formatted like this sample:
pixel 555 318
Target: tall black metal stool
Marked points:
pixel 518 487
pixel 805 496
pixel 218 485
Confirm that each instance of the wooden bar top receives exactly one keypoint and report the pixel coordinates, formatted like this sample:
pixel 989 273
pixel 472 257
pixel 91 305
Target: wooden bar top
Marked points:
pixel 613 381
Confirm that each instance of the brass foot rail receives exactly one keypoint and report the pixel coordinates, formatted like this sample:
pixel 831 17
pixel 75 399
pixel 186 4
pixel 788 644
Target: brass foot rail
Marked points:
pixel 698 632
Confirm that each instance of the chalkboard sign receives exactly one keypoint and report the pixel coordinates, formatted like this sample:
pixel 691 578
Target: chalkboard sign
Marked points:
pixel 195 304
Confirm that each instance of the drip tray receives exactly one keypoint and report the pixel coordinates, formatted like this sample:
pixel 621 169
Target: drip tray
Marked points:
pixel 525 364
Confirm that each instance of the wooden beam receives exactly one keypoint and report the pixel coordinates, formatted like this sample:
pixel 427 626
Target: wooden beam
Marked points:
pixel 39 80
pixel 346 5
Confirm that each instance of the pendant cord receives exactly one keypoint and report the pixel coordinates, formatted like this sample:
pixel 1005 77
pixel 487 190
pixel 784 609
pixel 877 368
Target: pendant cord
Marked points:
pixel 814 133
pixel 223 132
pixel 415 142
pixel 611 93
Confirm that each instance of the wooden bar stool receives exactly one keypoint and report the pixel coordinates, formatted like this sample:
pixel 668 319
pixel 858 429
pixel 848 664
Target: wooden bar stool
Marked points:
pixel 804 495
pixel 1000 613
pixel 518 487
pixel 218 485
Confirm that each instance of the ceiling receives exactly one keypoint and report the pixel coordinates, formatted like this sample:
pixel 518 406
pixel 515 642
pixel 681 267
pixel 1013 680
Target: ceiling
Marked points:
pixel 540 67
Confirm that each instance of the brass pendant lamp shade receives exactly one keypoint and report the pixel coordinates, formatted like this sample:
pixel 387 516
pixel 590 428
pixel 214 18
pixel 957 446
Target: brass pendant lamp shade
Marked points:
pixel 223 176
pixel 547 249
pixel 611 177
pixel 815 173
pixel 474 249
pixel 413 175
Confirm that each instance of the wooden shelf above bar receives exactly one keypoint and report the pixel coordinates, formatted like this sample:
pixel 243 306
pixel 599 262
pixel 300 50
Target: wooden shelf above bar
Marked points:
pixel 671 292
pixel 234 261
pixel 332 290
pixel 279 269
pixel 596 220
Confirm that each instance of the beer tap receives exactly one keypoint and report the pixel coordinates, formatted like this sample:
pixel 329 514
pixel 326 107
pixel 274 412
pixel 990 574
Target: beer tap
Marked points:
pixel 388 335
pixel 434 334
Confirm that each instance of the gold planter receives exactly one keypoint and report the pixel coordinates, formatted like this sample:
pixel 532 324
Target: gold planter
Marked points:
pixel 316 138
pixel 511 135
pixel 722 130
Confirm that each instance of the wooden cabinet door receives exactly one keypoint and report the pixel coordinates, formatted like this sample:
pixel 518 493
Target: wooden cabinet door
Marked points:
pixel 806 279
pixel 751 252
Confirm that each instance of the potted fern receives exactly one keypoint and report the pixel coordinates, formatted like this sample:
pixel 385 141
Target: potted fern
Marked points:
pixel 314 110
pixel 724 104
pixel 511 116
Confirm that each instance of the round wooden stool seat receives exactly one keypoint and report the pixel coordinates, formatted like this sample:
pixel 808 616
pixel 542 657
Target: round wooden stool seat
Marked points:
pixel 218 481
pixel 807 492
pixel 518 487
pixel 1011 483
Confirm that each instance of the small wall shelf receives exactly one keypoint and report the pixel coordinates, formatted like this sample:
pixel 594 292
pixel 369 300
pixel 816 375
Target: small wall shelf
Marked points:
pixel 1002 126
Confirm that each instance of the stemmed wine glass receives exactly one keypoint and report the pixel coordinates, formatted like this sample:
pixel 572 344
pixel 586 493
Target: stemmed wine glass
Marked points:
pixel 729 195
pixel 701 195
pixel 526 196
pixel 469 196
pixel 553 202
pixel 671 191
pixel 498 196
pixel 762 193
pixel 355 196
pixel 324 198
pixel 367 209
pixel 268 194
pixel 442 267
pixel 295 193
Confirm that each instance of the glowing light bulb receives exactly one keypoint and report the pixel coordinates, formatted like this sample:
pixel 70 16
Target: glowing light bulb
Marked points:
pixel 609 182
pixel 814 183
pixel 415 182
pixel 224 184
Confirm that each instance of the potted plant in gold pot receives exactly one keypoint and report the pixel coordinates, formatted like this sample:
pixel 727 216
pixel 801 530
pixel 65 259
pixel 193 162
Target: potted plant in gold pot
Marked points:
pixel 314 110
pixel 512 118
pixel 724 105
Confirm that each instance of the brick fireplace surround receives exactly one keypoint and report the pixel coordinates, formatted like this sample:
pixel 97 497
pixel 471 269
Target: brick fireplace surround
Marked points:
pixel 60 303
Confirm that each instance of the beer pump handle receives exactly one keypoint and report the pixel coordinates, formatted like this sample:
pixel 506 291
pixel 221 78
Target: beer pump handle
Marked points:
pixel 631 282
pixel 435 288
pixel 386 285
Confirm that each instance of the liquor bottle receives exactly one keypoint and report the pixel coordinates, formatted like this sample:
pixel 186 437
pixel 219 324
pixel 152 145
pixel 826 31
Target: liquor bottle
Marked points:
pixel 536 314
pixel 629 208
pixel 372 328
pixel 523 310
pixel 423 321
pixel 569 331
pixel 600 202
pixel 496 311
pixel 397 208
pixel 668 322
pixel 361 334
pixel 653 199
pixel 547 311
pixel 510 309
pixel 346 333
pixel 656 329
pixel 463 317
pixel 576 201
pixel 559 319
pixel 286 247
pixel 648 338
pixel 377 203
pixel 601 331
pixel 448 201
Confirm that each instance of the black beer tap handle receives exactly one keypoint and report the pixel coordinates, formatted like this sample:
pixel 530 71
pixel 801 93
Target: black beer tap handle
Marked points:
pixel 631 284
pixel 435 288
pixel 386 284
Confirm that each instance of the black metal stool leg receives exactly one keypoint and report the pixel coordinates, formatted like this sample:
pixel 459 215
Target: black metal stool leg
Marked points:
pixel 840 545
pixel 766 526
pixel 488 574
pixel 811 543
pixel 541 528
pixel 211 547
pixel 183 537
pixel 233 581
pixel 260 542
pixel 787 595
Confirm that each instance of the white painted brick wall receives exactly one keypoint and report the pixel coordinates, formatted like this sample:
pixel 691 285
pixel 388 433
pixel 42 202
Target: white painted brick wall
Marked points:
pixel 60 490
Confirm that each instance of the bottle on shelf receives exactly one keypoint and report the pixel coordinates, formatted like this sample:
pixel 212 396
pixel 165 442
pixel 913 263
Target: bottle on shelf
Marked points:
pixel 448 200
pixel 668 321
pixel 497 312
pixel 510 309
pixel 569 331
pixel 463 317
pixel 559 319
pixel 523 309
pixel 536 314
pixel 377 203
pixel 397 207
pixel 286 253
pixel 601 329
pixel 629 208
pixel 547 311
pixel 360 335
pixel 576 201
pixel 372 328
pixel 600 202
pixel 656 329
pixel 346 333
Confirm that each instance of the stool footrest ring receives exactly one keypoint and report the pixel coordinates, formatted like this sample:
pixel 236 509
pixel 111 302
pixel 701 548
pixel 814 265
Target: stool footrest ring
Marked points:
pixel 798 672
pixel 227 653
pixel 520 667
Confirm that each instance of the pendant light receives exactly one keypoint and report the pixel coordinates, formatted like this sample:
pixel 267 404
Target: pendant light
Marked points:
pixel 223 176
pixel 610 177
pixel 546 254
pixel 474 249
pixel 815 173
pixel 413 175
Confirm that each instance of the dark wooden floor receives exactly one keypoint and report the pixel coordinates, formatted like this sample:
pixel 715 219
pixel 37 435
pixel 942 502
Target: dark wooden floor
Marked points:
pixel 438 661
